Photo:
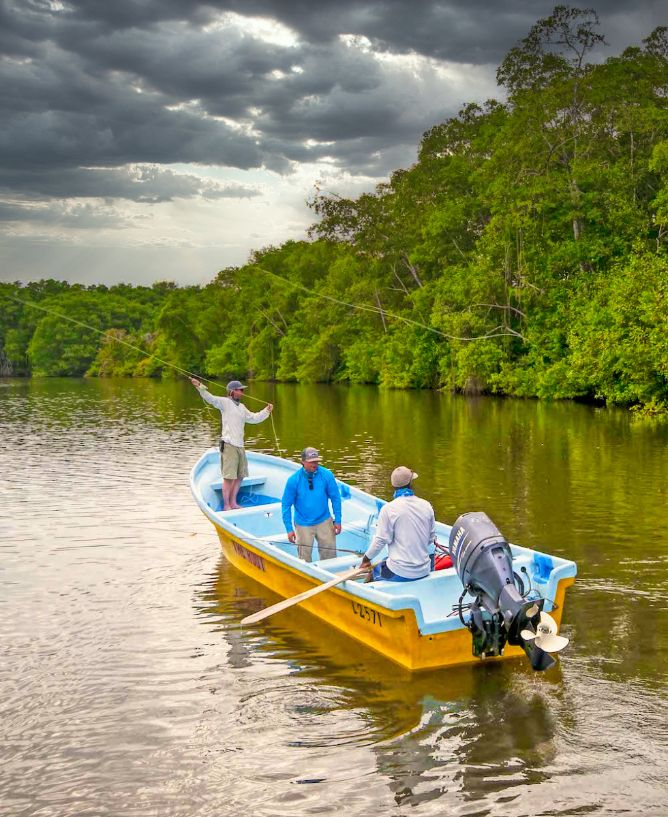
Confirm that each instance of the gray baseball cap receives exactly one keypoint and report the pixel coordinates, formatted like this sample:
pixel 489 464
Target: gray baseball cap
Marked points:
pixel 311 455
pixel 402 476
pixel 233 385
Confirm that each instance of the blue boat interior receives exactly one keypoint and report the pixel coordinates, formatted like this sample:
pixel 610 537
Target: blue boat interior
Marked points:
pixel 435 598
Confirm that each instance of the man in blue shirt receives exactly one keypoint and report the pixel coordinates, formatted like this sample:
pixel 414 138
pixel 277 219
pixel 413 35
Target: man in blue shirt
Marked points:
pixel 310 491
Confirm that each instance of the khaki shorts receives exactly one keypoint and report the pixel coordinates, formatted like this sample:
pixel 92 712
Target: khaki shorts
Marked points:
pixel 324 535
pixel 233 462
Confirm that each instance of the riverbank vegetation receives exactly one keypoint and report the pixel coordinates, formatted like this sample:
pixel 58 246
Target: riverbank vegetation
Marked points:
pixel 524 253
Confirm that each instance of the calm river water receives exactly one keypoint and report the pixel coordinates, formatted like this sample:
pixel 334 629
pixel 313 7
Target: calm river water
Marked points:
pixel 127 687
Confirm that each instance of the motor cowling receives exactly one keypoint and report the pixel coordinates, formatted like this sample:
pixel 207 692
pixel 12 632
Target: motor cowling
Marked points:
pixel 499 612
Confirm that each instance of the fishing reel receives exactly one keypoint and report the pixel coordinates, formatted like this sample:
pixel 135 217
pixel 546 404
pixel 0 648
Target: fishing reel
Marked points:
pixel 500 613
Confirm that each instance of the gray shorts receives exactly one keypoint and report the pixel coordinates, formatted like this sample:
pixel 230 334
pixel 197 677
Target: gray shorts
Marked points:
pixel 233 462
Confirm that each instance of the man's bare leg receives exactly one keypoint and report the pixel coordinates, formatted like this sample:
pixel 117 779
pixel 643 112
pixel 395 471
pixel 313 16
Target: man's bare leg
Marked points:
pixel 236 484
pixel 228 486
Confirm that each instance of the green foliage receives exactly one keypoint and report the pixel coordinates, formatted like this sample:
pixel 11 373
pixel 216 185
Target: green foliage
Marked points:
pixel 226 359
pixel 66 340
pixel 619 334
pixel 523 253
pixel 361 360
pixel 115 357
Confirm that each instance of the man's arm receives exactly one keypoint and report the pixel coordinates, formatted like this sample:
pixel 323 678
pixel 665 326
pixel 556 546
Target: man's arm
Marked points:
pixel 205 394
pixel 257 416
pixel 383 537
pixel 335 498
pixel 287 501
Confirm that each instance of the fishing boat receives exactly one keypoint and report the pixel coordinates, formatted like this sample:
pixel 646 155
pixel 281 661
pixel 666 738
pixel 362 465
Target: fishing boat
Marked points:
pixel 496 601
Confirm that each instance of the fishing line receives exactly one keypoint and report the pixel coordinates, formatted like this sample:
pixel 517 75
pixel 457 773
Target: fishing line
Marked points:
pixel 142 352
pixel 378 311
pixel 284 544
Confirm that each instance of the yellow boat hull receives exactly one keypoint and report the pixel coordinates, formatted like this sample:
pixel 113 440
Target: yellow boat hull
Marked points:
pixel 392 633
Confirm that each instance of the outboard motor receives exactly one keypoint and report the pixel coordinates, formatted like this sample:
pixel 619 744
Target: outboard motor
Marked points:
pixel 499 612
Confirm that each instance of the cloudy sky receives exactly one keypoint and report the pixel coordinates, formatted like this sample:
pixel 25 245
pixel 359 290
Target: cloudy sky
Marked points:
pixel 147 140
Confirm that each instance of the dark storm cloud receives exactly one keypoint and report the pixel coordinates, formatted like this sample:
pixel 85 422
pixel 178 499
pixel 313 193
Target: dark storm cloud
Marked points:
pixel 462 30
pixel 92 84
pixel 476 31
pixel 58 214
pixel 62 111
pixel 144 184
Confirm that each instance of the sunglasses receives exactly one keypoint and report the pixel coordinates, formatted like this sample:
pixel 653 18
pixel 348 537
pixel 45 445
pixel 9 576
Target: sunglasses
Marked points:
pixel 309 477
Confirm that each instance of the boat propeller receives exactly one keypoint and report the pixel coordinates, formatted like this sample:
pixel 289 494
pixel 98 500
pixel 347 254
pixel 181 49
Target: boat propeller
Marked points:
pixel 545 637
pixel 499 613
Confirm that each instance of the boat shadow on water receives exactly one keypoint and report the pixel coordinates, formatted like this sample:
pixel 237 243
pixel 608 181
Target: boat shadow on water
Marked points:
pixel 464 726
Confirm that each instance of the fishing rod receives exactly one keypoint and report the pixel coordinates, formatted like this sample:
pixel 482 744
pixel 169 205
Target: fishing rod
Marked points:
pixel 141 351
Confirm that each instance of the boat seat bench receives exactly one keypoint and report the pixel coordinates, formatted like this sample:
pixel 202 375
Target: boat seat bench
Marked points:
pixel 337 564
pixel 247 482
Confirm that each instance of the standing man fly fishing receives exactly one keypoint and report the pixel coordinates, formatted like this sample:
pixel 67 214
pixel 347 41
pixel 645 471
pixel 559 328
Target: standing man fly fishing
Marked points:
pixel 233 462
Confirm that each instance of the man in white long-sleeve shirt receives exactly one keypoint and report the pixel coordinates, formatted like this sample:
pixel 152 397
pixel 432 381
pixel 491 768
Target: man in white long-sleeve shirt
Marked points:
pixel 407 527
pixel 233 462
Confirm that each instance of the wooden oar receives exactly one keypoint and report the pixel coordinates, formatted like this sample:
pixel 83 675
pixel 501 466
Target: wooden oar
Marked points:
pixel 283 605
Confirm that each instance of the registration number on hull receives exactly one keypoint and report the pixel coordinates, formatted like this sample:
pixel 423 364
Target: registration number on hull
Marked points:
pixel 367 613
